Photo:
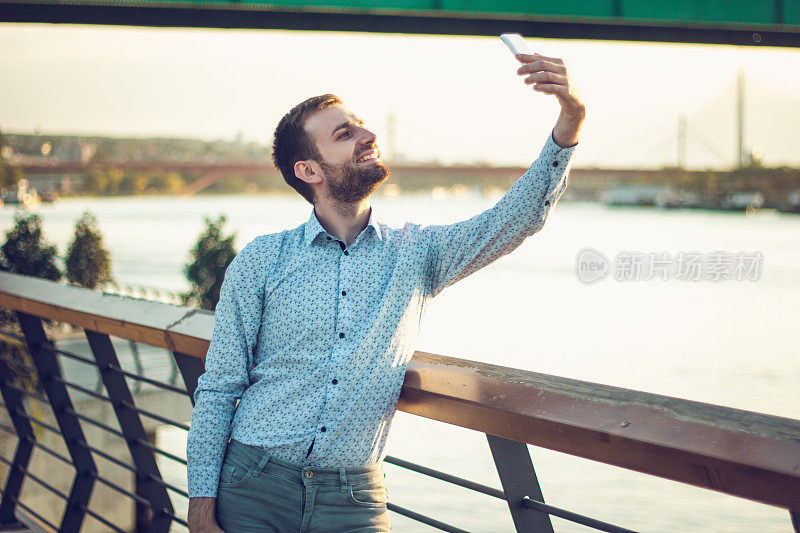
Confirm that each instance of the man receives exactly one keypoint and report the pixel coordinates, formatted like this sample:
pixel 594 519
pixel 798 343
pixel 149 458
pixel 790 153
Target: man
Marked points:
pixel 315 325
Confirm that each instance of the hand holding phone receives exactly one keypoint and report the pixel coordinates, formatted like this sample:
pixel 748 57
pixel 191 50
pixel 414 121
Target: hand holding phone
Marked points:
pixel 516 43
pixel 549 75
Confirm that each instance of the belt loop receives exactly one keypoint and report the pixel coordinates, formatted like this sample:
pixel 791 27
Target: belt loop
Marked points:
pixel 263 462
pixel 342 481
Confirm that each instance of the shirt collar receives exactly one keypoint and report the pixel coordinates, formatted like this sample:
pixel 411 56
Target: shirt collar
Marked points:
pixel 313 228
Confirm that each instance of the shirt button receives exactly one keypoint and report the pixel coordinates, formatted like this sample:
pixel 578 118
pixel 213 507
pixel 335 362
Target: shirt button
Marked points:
pixel 341 335
pixel 334 381
pixel 322 429
pixel 547 202
pixel 328 237
pixel 346 252
pixel 344 293
pixel 555 163
pixel 309 474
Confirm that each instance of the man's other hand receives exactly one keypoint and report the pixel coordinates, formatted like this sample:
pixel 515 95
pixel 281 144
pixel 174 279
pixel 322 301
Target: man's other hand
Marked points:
pixel 549 75
pixel 202 516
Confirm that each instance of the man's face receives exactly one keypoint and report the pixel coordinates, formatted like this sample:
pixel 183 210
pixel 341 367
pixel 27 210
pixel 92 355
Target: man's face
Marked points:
pixel 351 162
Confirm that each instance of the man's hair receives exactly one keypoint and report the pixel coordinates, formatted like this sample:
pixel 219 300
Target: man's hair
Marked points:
pixel 292 143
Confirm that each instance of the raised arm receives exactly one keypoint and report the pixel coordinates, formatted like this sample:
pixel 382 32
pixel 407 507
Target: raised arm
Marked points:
pixel 457 250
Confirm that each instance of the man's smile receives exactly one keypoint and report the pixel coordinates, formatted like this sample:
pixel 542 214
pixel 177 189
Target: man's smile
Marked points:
pixel 369 156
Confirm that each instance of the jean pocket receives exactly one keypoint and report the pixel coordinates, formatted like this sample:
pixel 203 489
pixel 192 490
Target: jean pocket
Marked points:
pixel 232 475
pixel 369 496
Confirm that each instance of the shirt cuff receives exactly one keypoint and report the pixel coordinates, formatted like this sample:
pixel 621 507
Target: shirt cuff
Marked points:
pixel 553 140
pixel 556 158
pixel 556 161
pixel 203 481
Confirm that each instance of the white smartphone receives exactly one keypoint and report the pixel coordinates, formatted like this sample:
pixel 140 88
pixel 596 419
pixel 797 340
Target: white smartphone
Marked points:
pixel 516 43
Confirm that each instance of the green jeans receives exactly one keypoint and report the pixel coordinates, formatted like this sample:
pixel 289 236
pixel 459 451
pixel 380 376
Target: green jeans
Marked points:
pixel 259 493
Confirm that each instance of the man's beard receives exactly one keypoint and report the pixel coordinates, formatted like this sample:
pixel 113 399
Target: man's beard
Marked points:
pixel 349 183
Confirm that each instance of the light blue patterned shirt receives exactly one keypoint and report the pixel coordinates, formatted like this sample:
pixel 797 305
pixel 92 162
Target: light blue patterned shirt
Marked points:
pixel 314 336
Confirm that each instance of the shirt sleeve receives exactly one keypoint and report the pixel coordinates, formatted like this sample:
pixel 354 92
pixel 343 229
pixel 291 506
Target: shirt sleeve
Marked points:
pixel 237 318
pixel 457 250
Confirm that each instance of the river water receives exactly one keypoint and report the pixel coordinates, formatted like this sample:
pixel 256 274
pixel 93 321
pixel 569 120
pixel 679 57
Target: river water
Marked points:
pixel 729 342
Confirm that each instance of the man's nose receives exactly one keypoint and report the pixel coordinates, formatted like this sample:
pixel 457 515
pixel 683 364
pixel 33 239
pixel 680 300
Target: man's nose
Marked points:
pixel 368 137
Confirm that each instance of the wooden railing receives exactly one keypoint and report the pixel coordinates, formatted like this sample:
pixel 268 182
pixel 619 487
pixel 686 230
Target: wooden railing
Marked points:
pixel 741 453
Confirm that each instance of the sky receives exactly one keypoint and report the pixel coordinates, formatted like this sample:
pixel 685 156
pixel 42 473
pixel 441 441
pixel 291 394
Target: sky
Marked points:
pixel 452 99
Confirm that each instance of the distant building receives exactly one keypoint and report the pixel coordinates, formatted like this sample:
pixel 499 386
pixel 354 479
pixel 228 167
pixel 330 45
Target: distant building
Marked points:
pixel 631 194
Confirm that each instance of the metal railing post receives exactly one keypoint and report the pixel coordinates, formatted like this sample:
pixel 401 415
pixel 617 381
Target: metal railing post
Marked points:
pixel 515 468
pixel 191 369
pixel 137 360
pixel 22 455
pixel 131 426
pixel 48 368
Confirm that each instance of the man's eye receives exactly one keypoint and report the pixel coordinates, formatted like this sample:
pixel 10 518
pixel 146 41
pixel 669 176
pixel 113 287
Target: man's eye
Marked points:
pixel 344 134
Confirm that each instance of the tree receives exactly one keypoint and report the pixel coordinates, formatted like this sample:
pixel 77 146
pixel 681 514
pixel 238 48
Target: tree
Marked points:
pixel 96 181
pixel 167 182
pixel 88 262
pixel 212 254
pixel 134 183
pixel 26 252
pixel 9 175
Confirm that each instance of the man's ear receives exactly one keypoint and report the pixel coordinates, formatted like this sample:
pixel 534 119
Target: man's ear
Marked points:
pixel 308 171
